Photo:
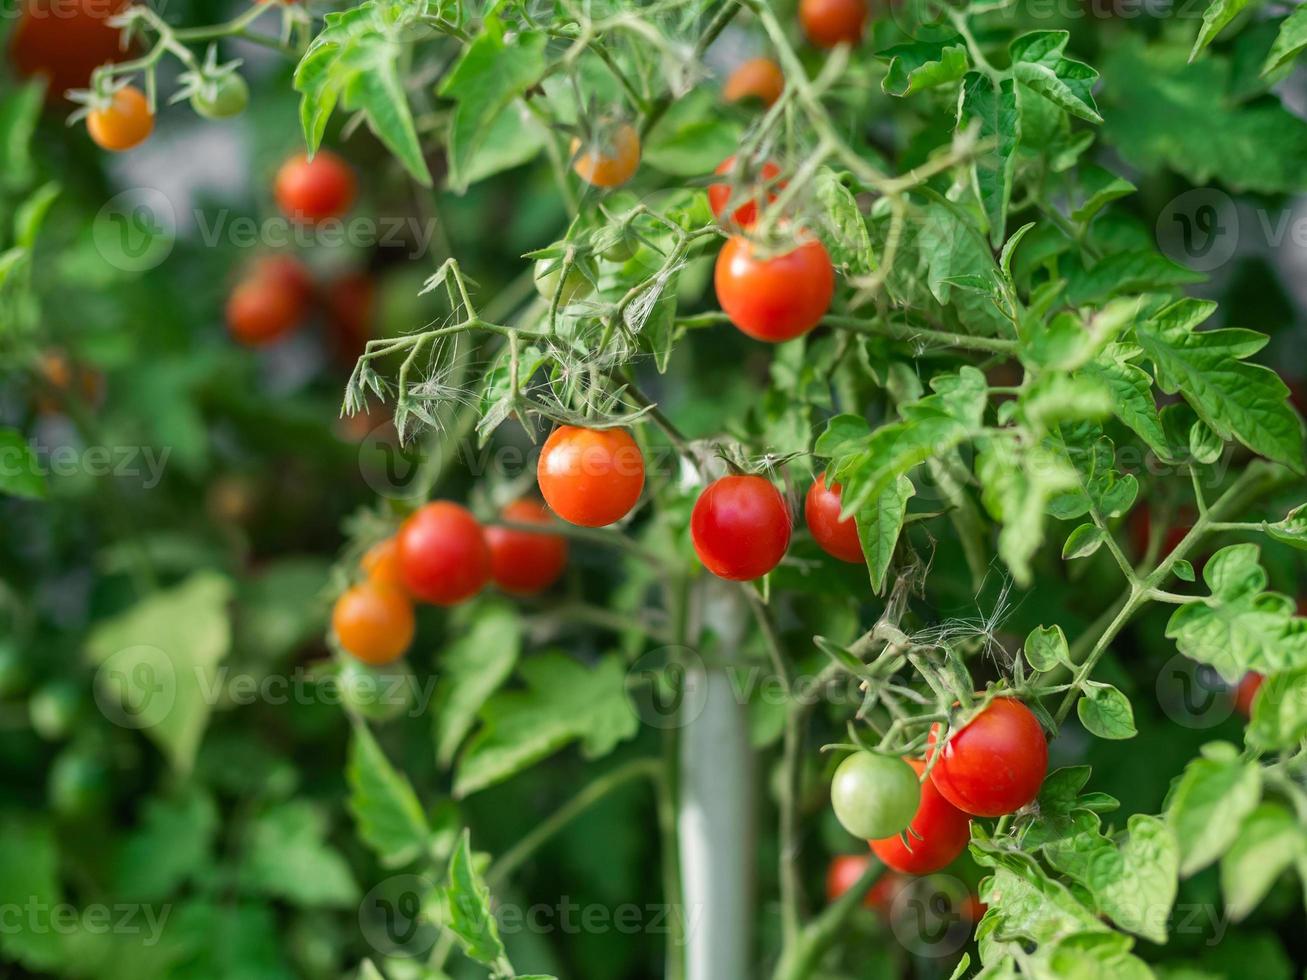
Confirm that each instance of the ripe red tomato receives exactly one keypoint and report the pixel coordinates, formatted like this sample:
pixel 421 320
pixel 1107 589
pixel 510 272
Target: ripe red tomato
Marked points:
pixel 827 23
pixel 381 564
pixel 874 795
pixel 611 160
pixel 373 622
pixel 843 873
pixel 757 78
pixel 936 836
pixel 590 477
pixel 821 509
pixel 443 555
pixel 1246 692
pixel 124 123
pixel 740 527
pixel 996 763
pixel 64 41
pixel 263 309
pixel 289 272
pixel 753 189
pixel 774 299
pixel 315 190
pixel 525 562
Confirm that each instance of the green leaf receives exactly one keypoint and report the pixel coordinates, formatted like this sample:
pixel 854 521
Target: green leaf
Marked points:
pixel 1046 647
pixel 172 846
pixel 1215 19
pixel 511 139
pixel 1289 42
pixel 922 65
pixel 286 856
pixel 1083 542
pixel 1279 718
pixel 564 702
pixel 997 117
pixel 1033 905
pixel 1133 271
pixel 1105 711
pixel 472 668
pixel 692 137
pixel 31 214
pixel 29 880
pixel 159 663
pixel 1268 843
pixel 20 110
pixel 1038 61
pixel 1292 530
pixel 467 909
pixel 355 61
pixel 1241 627
pixel 879 524
pixel 1131 389
pixel 21 474
pixel 492 71
pixel 1016 488
pixel 389 817
pixel 1099 188
pixel 843 232
pixel 1134 883
pixel 1237 399
pixel 1207 806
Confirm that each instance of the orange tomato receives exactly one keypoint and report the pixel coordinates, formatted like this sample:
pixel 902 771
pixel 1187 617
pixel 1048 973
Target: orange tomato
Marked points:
pixel 757 78
pixel 124 123
pixel 374 622
pixel 609 161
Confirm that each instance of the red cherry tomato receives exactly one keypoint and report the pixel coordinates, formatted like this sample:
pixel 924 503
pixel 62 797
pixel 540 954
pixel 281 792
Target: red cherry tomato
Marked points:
pixel 525 562
pixel 289 272
pixel 827 23
pixel 821 509
pixel 753 188
pixel 315 190
pixel 935 837
pixel 845 870
pixel 774 299
pixel 590 477
pixel 996 763
pixel 374 622
pixel 64 41
pixel 443 555
pixel 740 527
pixel 381 564
pixel 757 78
pixel 122 124
pixel 263 309
pixel 1246 692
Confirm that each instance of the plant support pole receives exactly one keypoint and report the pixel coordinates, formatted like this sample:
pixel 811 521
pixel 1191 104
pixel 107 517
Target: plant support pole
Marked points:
pixel 715 820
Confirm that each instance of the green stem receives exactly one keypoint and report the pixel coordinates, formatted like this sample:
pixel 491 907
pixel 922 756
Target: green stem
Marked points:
pixel 799 961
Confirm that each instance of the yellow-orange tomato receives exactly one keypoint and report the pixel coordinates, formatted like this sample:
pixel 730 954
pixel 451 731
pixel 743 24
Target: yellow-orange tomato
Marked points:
pixel 374 622
pixel 124 123
pixel 757 78
pixel 590 477
pixel 611 160
pixel 380 563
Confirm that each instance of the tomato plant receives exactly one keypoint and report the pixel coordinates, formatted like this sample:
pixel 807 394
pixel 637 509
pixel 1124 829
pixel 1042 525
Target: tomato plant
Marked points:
pixel 276 659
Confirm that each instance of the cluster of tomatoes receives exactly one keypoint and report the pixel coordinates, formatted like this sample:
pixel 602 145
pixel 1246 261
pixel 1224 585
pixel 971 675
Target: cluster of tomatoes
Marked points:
pixel 992 766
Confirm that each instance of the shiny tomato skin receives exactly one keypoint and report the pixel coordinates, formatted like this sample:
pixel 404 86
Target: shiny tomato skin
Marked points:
pixel 757 78
pixel 309 191
pixel 827 23
pixel 590 477
pixel 443 555
pixel 612 161
pixel 774 299
pixel 719 195
pixel 740 527
pixel 261 310
pixel 996 763
pixel 938 833
pixel 1246 692
pixel 374 622
pixel 124 123
pixel 525 562
pixel 821 509
pixel 64 41
pixel 381 563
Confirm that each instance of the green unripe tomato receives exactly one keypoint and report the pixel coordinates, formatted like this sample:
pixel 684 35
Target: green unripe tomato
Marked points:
pixel 377 694
pixel 79 784
pixel 226 97
pixel 54 709
pixel 624 249
pixel 874 796
pixel 575 287
pixel 13 671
